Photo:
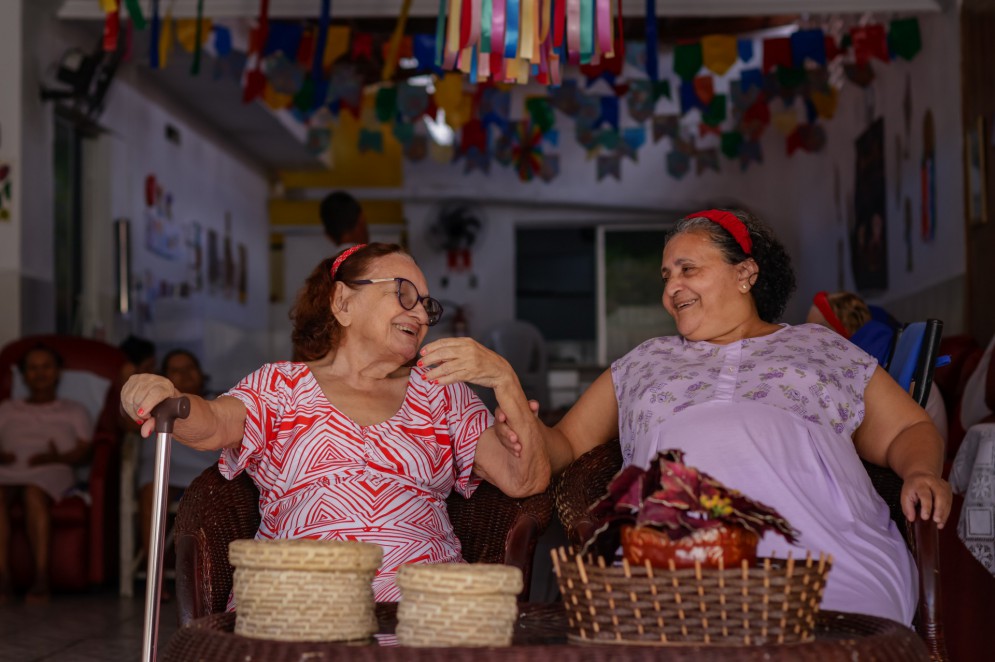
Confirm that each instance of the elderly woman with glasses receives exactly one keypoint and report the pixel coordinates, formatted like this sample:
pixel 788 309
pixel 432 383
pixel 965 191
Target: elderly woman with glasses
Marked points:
pixel 361 440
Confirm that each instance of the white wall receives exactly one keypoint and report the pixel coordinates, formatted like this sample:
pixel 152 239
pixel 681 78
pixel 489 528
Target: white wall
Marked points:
pixel 206 177
pixel 795 195
pixel 11 43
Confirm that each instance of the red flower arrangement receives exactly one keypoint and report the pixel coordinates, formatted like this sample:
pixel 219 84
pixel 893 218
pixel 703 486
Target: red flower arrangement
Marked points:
pixel 680 501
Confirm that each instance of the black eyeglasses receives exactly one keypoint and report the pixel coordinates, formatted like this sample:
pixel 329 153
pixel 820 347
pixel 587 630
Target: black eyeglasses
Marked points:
pixel 408 297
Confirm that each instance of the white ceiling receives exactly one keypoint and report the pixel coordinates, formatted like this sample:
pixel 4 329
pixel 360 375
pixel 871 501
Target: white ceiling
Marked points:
pixel 76 9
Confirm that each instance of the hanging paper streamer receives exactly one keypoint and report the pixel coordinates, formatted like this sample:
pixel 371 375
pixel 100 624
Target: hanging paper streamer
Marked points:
pixel 199 35
pixel 652 62
pixel 112 25
pixel 390 61
pixel 135 14
pixel 904 39
pixel 154 37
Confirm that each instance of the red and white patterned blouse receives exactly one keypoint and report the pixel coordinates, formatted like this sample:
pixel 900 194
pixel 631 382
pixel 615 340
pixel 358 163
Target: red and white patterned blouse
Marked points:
pixel 322 476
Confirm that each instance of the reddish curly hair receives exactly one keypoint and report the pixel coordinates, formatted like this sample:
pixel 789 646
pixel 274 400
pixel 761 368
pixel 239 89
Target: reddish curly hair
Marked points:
pixel 316 331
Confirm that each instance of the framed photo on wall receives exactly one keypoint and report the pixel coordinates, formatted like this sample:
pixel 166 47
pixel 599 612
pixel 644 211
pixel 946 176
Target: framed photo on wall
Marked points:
pixel 976 171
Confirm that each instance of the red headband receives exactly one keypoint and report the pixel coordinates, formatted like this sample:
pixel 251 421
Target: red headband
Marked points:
pixel 731 224
pixel 821 301
pixel 343 257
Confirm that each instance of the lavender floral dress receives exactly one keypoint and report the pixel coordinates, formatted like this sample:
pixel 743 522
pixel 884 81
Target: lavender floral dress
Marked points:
pixel 774 417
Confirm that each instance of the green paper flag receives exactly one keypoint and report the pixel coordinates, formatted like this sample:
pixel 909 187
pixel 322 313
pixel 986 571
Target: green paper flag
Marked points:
pixel 904 39
pixel 661 88
pixel 303 100
pixel 541 113
pixel 790 77
pixel 715 114
pixel 687 60
pixel 386 103
pixel 732 141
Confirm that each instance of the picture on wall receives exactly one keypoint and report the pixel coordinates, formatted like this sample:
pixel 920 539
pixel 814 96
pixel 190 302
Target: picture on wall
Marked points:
pixel 868 238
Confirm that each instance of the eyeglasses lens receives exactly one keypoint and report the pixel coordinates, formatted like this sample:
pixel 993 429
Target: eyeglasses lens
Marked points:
pixel 408 296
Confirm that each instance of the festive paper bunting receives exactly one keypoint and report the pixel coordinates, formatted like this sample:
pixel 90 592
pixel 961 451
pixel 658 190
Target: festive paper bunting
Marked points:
pixel 635 54
pixel 745 47
pixel 678 164
pixel 336 45
pixel 609 112
pixel 708 159
pixel 715 113
pixel 275 99
pixel 785 121
pixel 719 52
pixel 112 26
pixel 135 14
pixel 634 137
pixel 817 80
pixel 440 153
pixel 742 100
pixel 386 103
pixel 751 78
pixel 283 75
pixel 652 50
pixel 346 88
pixel 689 97
pixel 832 49
pixel 476 160
pixel 417 149
pixel 808 45
pixel 609 166
pixel 552 137
pixel 750 152
pixel 550 169
pixel 283 36
pixel 609 139
pixel 665 125
pixel 541 113
pixel 687 60
pixel 423 50
pixel 589 110
pixel 404 132
pixel 732 141
pixel 704 88
pixel 566 98
pixel 362 46
pixel 412 101
pixel 811 137
pixel 790 79
pixel 526 150
pixel 861 75
pixel 222 40
pixel 707 130
pixel 904 39
pixel 755 119
pixel 777 53
pixel 586 137
pixel 640 100
pixel 869 41
pixel 474 136
pixel 319 139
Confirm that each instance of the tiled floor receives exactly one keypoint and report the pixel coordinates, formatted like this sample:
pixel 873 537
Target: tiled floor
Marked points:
pixel 79 628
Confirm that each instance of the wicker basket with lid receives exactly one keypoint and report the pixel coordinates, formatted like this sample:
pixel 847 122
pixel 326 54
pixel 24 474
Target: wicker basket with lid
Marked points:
pixel 457 604
pixel 304 590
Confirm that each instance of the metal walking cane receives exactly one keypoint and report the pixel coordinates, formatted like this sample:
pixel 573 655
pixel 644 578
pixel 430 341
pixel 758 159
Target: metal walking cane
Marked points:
pixel 164 413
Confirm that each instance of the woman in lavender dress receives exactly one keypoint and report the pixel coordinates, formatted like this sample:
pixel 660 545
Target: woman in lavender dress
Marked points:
pixel 782 413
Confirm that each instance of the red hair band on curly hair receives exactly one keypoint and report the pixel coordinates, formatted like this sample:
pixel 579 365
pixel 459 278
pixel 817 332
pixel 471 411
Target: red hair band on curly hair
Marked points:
pixel 342 258
pixel 821 301
pixel 731 224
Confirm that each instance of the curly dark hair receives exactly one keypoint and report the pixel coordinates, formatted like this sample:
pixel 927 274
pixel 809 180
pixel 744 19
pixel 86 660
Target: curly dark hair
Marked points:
pixel 775 279
pixel 22 360
pixel 316 331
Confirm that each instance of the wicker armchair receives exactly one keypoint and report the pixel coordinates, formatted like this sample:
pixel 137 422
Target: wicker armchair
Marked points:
pixel 492 528
pixel 587 478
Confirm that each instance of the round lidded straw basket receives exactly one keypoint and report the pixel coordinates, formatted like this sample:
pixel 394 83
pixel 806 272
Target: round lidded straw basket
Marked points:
pixel 771 601
pixel 457 604
pixel 304 590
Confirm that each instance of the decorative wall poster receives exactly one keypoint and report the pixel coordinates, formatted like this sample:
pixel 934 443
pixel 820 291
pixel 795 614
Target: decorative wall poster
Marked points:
pixel 6 190
pixel 163 236
pixel 869 246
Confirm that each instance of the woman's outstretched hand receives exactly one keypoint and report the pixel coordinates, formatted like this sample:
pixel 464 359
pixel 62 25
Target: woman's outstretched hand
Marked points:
pixel 452 360
pixel 139 396
pixel 931 493
pixel 508 437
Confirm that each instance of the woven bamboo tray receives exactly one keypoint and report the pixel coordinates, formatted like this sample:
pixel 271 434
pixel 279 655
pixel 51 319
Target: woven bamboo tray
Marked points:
pixel 457 604
pixel 304 590
pixel 773 601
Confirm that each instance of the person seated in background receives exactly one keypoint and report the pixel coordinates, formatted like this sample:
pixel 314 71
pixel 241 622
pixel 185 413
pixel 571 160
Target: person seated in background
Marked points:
pixel 41 439
pixel 182 369
pixel 363 439
pixel 849 315
pixel 343 219
pixel 782 413
pixel 141 356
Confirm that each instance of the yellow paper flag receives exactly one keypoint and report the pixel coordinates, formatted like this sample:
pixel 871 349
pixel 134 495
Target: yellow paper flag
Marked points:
pixel 336 45
pixel 275 100
pixel 825 104
pixel 719 52
pixel 785 121
pixel 449 92
pixel 108 6
pixel 186 33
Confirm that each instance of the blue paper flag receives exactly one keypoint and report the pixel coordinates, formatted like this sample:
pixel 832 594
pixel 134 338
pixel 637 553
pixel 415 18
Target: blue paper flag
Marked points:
pixel 609 112
pixel 222 40
pixel 689 97
pixel 808 44
pixel 423 50
pixel 652 61
pixel 284 36
pixel 752 78
pixel 745 47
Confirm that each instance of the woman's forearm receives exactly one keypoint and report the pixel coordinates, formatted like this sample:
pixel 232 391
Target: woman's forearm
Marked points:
pixel 212 424
pixel 917 449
